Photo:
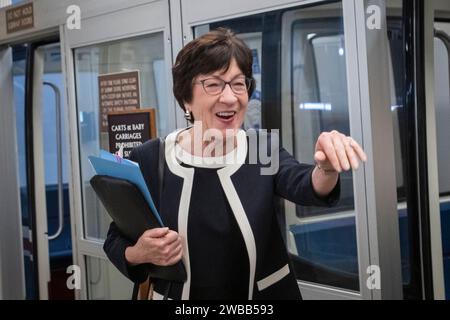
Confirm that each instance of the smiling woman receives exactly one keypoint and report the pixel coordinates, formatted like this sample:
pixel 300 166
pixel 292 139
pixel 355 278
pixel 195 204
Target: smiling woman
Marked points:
pixel 215 104
pixel 213 80
pixel 214 86
pixel 220 215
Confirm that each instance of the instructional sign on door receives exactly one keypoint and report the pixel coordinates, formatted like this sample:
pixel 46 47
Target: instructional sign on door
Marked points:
pixel 118 92
pixel 130 129
pixel 19 18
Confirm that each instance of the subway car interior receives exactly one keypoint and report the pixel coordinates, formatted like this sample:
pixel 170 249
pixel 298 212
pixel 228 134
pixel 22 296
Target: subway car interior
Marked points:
pixel 377 70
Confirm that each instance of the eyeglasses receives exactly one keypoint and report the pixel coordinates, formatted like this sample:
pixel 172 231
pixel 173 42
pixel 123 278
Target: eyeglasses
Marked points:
pixel 215 86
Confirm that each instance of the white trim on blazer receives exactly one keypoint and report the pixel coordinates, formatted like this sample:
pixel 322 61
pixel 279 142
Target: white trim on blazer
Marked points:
pixel 183 210
pixel 236 206
pixel 273 278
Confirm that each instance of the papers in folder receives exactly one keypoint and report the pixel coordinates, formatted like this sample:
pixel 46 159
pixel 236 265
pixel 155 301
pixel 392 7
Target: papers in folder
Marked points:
pixel 111 165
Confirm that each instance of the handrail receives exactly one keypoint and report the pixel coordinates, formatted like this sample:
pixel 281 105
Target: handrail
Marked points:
pixel 59 161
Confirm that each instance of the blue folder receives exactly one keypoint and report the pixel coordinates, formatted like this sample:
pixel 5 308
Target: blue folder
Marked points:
pixel 111 165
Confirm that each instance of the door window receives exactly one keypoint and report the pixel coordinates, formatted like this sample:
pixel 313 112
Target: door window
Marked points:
pixel 144 54
pixel 19 70
pixel 300 68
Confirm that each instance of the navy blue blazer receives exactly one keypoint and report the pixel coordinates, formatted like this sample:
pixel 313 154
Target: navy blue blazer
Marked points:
pixel 253 198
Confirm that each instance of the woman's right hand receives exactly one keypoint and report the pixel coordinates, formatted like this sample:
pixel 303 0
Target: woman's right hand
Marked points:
pixel 158 246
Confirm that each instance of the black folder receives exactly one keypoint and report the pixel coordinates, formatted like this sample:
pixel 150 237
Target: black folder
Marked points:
pixel 131 213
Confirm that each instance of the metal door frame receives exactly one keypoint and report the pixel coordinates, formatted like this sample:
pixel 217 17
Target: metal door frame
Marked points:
pixel 12 276
pixel 378 241
pixel 35 36
pixel 375 186
pixel 146 17
pixel 430 13
pixel 142 17
pixel 11 287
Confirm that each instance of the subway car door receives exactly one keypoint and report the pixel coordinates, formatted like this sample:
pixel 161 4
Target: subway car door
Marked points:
pixel 436 28
pixel 116 40
pixel 39 106
pixel 442 110
pixel 418 77
pixel 418 33
pixel 47 170
pixel 304 62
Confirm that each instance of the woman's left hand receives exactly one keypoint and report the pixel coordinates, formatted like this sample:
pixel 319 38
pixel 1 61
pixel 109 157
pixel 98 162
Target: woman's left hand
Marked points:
pixel 337 152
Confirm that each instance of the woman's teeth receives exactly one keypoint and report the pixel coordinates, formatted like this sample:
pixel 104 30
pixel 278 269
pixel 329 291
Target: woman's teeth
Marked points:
pixel 226 115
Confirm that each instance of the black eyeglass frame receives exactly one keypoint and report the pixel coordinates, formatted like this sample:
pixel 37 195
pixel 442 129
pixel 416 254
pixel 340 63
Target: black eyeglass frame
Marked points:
pixel 248 84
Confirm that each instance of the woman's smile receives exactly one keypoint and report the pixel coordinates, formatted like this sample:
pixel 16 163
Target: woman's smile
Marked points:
pixel 226 116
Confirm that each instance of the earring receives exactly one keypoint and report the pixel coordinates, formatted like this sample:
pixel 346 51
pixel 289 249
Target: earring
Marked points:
pixel 188 115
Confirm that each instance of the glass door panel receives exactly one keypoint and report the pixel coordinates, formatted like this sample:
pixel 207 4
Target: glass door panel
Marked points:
pixel 112 67
pixel 145 54
pixel 324 239
pixel 55 152
pixel 300 68
pixel 47 231
pixel 19 73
